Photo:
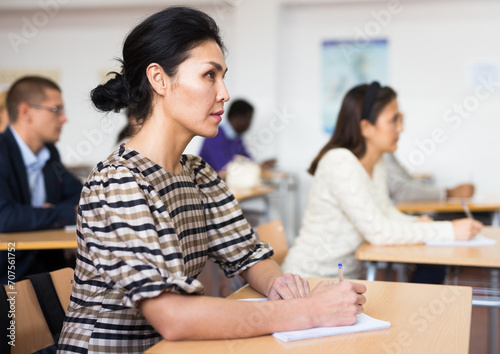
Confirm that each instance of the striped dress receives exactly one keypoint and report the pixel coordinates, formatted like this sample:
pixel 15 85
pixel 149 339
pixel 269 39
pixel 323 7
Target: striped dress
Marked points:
pixel 142 231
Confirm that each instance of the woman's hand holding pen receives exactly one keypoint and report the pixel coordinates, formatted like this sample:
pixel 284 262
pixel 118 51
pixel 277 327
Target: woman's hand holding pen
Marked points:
pixel 288 286
pixel 336 304
pixel 465 229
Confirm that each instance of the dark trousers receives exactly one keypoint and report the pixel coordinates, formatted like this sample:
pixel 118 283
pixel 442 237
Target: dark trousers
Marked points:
pixel 429 274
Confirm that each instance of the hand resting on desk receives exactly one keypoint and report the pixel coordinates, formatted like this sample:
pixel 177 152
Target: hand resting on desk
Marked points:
pixel 288 286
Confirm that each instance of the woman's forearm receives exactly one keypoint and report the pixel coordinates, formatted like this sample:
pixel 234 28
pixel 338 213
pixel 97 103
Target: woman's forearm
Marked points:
pixel 183 317
pixel 262 275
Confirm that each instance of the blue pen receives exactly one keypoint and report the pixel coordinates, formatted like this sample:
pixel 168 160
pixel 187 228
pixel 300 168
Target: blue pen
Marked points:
pixel 341 273
pixel 466 210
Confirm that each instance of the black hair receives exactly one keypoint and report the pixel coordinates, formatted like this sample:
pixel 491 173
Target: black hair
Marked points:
pixel 239 107
pixel 30 89
pixel 165 38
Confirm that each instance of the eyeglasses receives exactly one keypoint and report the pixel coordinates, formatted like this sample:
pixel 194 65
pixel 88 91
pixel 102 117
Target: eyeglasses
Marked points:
pixel 54 109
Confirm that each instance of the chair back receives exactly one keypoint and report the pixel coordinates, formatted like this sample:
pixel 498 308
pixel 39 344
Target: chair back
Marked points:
pixel 273 232
pixel 32 333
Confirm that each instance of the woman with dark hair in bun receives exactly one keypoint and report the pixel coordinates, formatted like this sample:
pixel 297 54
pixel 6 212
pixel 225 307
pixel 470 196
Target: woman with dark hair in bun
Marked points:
pixel 150 217
pixel 349 201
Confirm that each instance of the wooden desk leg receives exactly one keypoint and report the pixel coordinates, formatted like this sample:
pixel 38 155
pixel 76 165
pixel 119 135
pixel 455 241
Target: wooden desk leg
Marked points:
pixel 371 271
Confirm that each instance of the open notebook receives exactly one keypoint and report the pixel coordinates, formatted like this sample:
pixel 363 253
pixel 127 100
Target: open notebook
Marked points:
pixel 364 323
pixel 479 240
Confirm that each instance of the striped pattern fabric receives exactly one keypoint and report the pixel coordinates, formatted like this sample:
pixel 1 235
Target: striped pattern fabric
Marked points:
pixel 142 231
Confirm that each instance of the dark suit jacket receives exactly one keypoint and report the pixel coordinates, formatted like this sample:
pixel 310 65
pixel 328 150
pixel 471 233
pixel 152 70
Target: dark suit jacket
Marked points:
pixel 16 213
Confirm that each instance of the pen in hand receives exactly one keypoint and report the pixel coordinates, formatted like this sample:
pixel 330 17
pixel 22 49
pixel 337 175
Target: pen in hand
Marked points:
pixel 341 273
pixel 466 210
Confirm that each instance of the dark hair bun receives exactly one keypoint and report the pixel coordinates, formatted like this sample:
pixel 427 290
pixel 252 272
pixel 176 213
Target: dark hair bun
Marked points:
pixel 111 96
pixel 165 38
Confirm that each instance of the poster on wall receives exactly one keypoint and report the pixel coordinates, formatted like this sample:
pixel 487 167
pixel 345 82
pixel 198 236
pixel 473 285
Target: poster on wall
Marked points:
pixel 347 63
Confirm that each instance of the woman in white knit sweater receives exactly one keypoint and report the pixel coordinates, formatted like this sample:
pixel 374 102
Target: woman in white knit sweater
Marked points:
pixel 349 201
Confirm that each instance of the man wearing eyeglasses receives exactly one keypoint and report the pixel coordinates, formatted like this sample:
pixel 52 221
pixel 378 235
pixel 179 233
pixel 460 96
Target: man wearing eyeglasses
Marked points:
pixel 36 190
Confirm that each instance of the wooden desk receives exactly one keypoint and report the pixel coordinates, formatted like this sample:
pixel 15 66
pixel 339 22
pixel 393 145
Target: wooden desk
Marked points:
pixel 274 174
pixel 486 257
pixel 38 240
pixel 451 206
pixel 259 191
pixel 447 206
pixel 446 328
pixel 264 174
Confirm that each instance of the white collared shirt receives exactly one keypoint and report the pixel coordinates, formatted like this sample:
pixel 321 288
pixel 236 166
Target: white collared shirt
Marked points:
pixel 34 169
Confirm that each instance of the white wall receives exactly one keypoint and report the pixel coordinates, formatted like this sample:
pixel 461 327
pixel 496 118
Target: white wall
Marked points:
pixel 274 61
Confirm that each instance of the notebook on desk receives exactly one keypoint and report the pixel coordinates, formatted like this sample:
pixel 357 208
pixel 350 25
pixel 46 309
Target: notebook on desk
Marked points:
pixel 479 240
pixel 364 323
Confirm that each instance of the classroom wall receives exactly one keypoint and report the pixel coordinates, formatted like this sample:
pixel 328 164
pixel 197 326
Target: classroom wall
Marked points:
pixel 436 48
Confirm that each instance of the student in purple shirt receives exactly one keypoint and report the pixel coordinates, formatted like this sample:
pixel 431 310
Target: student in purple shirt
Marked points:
pixel 221 149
